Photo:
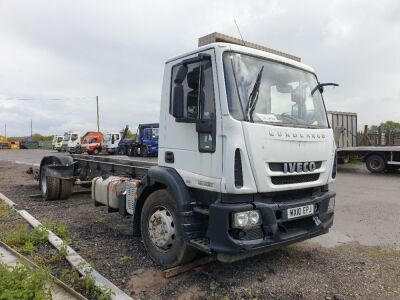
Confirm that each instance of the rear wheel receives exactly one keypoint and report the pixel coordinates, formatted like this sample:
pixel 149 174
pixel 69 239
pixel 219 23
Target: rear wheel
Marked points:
pixel 162 232
pixel 49 186
pixel 65 189
pixel 375 163
pixel 144 151
pixel 129 152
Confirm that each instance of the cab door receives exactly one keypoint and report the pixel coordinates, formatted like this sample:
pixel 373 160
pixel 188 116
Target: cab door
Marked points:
pixel 190 140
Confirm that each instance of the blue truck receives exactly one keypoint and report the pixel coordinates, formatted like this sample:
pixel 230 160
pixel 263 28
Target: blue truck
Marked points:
pixel 146 143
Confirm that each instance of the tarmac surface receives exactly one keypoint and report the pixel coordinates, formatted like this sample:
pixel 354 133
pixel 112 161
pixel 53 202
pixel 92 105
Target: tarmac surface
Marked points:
pixel 367 205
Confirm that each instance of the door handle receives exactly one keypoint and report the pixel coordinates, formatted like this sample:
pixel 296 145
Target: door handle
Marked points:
pixel 169 157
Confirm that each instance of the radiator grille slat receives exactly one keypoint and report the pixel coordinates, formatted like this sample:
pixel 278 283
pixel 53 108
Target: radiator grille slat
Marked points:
pixel 290 179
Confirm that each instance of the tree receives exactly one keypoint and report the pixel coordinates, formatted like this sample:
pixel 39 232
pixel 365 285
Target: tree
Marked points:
pixel 388 125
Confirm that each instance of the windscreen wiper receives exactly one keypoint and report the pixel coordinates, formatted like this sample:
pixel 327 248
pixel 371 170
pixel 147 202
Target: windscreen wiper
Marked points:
pixel 320 87
pixel 253 98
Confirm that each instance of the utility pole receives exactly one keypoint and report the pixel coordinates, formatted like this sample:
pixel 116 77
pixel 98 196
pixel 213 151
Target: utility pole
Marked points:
pixel 5 130
pixel 98 122
pixel 31 129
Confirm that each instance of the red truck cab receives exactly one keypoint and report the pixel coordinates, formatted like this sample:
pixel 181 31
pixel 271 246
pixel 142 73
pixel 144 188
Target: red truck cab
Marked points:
pixel 92 142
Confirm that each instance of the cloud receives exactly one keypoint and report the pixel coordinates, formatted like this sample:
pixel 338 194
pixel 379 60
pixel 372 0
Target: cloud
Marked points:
pixel 75 50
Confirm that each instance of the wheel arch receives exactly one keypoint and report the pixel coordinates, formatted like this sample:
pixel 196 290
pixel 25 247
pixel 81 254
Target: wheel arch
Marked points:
pixel 66 162
pixel 163 178
pixel 380 153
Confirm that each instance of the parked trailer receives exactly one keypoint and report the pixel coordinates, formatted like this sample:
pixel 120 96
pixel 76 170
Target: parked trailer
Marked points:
pixel 377 159
pixel 236 175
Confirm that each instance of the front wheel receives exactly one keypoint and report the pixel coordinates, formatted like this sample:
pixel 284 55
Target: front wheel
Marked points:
pixel 162 232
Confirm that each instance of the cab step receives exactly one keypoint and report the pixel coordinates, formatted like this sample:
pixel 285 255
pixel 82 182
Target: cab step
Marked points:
pixel 203 244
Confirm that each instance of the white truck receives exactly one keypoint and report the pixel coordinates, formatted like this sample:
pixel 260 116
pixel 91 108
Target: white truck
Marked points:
pixel 56 144
pixel 111 141
pixel 71 142
pixel 245 160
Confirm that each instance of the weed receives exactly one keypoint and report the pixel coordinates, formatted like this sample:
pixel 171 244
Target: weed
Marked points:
pixel 60 229
pixel 24 239
pixel 60 254
pixel 100 220
pixel 86 285
pixel 380 252
pixel 125 259
pixel 5 210
pixel 23 282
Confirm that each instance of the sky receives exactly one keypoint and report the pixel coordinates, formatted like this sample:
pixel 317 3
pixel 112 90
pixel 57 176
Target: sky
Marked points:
pixel 60 55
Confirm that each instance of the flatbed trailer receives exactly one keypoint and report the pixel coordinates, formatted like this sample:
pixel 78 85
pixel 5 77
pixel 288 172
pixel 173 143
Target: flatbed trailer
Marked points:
pixel 378 159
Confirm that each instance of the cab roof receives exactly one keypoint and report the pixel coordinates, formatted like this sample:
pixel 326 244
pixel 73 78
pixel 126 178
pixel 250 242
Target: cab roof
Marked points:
pixel 246 48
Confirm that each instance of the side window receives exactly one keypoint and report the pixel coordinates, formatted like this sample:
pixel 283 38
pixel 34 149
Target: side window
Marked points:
pixel 193 82
pixel 207 99
pixel 74 137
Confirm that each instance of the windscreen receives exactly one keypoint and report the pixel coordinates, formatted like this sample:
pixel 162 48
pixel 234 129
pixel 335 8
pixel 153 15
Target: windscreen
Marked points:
pixel 260 90
pixel 66 137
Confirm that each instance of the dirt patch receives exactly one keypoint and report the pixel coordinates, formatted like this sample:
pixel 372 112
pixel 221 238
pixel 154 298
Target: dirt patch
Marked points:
pixel 147 282
pixel 302 271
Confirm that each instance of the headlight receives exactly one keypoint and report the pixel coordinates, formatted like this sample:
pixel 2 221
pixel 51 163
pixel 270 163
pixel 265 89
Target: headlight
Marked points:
pixel 246 219
pixel 331 206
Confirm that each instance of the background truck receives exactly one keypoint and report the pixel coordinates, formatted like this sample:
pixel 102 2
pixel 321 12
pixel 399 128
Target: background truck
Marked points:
pixel 379 151
pixel 92 142
pixel 245 158
pixel 71 142
pixel 4 143
pixel 111 141
pixel 56 144
pixel 146 143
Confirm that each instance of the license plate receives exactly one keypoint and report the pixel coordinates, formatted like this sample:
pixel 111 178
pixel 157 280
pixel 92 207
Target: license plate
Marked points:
pixel 300 211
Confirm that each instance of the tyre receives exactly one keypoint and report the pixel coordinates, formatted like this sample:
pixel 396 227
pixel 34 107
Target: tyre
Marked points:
pixel 129 151
pixel 144 151
pixel 96 151
pixel 49 186
pixel 162 232
pixel 375 163
pixel 65 189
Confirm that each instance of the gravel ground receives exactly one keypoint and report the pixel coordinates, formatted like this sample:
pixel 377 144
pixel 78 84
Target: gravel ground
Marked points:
pixel 301 271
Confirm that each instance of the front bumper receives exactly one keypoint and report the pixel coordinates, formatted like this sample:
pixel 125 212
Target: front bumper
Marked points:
pixel 276 229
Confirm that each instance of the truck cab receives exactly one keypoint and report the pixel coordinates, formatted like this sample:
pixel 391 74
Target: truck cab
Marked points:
pixel 71 142
pixel 247 131
pixel 92 142
pixel 57 142
pixel 147 139
pixel 111 141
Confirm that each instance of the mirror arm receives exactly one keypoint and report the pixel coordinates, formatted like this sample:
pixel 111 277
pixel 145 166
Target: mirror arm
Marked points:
pixel 320 87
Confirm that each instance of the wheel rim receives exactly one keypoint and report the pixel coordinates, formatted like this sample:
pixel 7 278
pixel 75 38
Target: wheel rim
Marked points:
pixel 375 164
pixel 161 228
pixel 43 182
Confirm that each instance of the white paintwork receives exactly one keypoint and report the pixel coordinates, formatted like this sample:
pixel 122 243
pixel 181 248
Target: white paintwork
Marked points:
pixel 215 172
pixel 72 144
pixel 108 144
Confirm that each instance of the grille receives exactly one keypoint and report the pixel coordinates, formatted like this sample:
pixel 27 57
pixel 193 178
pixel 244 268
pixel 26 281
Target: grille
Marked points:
pixel 253 234
pixel 289 179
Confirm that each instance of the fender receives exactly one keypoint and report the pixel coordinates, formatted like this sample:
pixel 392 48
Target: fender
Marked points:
pixel 61 167
pixel 168 178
